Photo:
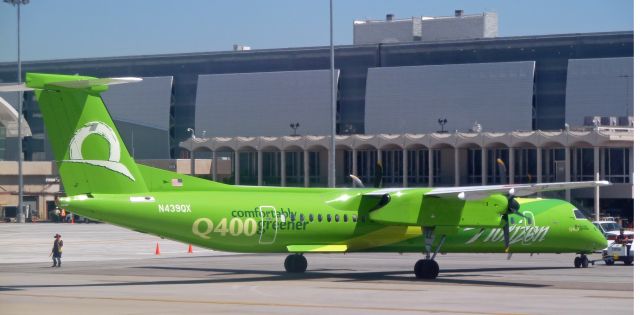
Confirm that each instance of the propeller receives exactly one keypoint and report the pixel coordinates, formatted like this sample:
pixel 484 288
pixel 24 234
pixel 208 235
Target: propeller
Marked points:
pixel 512 205
pixel 512 208
pixel 378 175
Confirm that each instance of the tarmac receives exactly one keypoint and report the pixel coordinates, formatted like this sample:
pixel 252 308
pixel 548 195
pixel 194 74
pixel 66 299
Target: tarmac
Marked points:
pixel 110 270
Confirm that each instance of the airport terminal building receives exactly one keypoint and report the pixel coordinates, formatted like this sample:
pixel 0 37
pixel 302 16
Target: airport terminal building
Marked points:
pixel 552 107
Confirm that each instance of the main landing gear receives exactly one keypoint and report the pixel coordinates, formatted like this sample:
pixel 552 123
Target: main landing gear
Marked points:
pixel 428 268
pixel 582 261
pixel 295 263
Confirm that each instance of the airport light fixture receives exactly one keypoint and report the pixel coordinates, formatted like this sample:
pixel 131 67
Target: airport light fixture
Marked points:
pixel 20 216
pixel 442 122
pixel 295 127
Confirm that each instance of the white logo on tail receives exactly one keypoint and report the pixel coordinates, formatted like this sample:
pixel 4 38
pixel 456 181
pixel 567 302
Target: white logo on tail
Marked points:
pixel 100 129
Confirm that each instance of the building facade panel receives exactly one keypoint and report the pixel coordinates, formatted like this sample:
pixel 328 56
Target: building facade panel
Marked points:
pixel 550 52
pixel 412 99
pixel 599 87
pixel 264 103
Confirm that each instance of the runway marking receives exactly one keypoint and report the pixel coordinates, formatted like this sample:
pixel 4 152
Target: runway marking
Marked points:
pixel 609 297
pixel 374 289
pixel 247 303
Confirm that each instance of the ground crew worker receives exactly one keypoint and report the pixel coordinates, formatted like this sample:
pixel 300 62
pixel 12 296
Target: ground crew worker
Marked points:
pixel 56 251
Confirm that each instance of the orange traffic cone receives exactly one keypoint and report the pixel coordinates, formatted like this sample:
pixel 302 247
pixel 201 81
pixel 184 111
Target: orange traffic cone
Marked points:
pixel 190 250
pixel 157 248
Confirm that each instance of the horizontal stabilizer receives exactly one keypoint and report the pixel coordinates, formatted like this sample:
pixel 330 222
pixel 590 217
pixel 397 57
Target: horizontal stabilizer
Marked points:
pixel 518 190
pixel 81 84
pixel 317 248
pixel 14 88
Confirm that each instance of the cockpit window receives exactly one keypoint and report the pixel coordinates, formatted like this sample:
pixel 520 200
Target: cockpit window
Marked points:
pixel 578 214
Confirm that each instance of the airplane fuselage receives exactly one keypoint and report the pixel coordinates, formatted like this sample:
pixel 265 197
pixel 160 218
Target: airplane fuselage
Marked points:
pixel 252 219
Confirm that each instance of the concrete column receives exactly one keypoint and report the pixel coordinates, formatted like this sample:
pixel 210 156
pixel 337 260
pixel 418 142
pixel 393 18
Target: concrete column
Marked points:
pixel 430 166
pixel 539 165
pixel 596 174
pixel 575 162
pixel 283 169
pixel 512 165
pixel 260 167
pixel 305 167
pixel 354 162
pixel 484 166
pixel 630 165
pixel 547 159
pixel 567 171
pixel 192 163
pixel 236 166
pixel 456 167
pixel 214 166
pixel 405 168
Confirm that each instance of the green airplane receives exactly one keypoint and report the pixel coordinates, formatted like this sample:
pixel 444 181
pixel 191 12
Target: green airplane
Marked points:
pixel 103 182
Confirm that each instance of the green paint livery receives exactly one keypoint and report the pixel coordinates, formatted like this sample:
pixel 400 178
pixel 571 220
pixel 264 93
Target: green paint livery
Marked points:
pixel 103 182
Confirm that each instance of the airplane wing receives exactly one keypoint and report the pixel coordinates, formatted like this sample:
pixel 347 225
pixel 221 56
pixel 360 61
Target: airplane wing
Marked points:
pixel 517 190
pixel 455 207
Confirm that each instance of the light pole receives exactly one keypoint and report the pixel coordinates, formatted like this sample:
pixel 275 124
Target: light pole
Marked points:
pixel 20 215
pixel 332 144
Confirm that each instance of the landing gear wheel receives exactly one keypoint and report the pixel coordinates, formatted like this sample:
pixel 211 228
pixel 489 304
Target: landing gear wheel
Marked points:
pixel 295 264
pixel 426 269
pixel 577 262
pixel 627 261
pixel 584 260
pixel 609 261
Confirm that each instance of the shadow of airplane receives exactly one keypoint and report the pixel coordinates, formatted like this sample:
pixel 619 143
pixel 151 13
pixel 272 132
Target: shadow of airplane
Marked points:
pixel 447 276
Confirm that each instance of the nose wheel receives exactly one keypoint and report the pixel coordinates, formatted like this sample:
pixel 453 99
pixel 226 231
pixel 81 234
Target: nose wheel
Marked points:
pixel 581 261
pixel 295 263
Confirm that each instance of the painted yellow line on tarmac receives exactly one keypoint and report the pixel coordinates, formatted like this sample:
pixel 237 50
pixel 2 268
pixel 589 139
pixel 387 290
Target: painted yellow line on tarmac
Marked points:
pixel 249 303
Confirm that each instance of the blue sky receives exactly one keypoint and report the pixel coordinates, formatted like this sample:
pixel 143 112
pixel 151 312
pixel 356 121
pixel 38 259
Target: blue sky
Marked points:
pixel 64 29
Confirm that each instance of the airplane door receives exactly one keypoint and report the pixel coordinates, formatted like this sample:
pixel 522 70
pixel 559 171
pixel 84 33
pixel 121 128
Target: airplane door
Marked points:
pixel 268 225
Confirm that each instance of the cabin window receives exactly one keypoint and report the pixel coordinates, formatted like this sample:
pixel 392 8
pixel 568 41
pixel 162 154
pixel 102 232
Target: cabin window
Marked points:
pixel 328 218
pixel 319 217
pixel 293 217
pixel 337 218
pixel 354 218
pixel 345 219
pixel 362 219
pixel 301 217
pixel 578 214
pixel 311 218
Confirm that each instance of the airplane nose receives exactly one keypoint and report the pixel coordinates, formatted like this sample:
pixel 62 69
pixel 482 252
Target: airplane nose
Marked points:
pixel 598 240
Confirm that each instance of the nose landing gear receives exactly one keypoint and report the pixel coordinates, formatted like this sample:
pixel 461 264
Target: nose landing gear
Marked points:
pixel 581 261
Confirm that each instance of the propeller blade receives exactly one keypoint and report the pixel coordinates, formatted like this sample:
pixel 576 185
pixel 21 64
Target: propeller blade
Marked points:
pixel 356 181
pixel 502 171
pixel 378 174
pixel 505 231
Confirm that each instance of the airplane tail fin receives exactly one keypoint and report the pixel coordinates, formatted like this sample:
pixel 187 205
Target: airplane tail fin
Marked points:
pixel 90 154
